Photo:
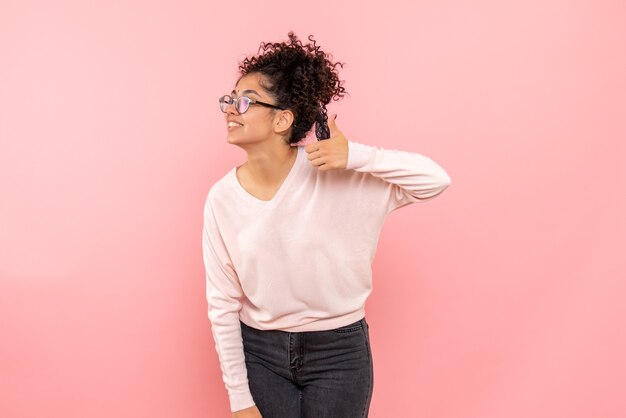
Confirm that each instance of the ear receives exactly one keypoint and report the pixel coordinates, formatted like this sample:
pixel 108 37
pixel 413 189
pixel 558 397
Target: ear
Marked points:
pixel 284 122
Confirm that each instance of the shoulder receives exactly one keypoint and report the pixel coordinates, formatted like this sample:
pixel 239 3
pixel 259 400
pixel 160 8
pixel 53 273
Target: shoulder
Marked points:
pixel 219 189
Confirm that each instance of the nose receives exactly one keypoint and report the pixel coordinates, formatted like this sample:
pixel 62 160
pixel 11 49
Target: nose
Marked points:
pixel 230 108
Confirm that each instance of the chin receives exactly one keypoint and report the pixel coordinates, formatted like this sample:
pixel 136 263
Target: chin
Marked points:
pixel 237 142
pixel 240 140
pixel 230 139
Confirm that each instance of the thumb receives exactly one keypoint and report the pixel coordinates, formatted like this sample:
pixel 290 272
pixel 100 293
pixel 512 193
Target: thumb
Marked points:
pixel 332 125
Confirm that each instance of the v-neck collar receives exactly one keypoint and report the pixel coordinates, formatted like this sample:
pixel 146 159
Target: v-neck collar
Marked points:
pixel 284 186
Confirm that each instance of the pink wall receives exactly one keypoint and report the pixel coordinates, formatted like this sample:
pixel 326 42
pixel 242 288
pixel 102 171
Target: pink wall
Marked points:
pixel 503 297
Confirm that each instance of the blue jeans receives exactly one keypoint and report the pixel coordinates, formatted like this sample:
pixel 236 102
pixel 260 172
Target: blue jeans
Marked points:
pixel 310 374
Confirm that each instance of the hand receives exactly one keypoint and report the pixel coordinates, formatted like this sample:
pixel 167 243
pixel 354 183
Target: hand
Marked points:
pixel 329 153
pixel 251 412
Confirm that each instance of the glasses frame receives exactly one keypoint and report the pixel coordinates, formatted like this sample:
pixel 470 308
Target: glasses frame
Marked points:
pixel 236 103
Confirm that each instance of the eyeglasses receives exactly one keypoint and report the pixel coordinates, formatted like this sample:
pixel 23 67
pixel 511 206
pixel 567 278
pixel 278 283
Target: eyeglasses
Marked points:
pixel 242 103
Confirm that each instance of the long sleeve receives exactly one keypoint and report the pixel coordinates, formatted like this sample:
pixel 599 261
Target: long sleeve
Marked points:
pixel 223 293
pixel 409 177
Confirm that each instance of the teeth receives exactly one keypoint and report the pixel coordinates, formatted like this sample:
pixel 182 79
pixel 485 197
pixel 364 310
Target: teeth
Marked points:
pixel 234 124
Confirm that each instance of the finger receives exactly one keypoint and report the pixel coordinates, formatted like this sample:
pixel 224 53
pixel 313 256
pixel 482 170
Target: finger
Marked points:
pixel 314 153
pixel 311 156
pixel 332 125
pixel 316 158
pixel 313 146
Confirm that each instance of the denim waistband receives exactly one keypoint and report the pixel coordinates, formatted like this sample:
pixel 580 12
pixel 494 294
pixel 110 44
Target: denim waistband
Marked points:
pixel 360 323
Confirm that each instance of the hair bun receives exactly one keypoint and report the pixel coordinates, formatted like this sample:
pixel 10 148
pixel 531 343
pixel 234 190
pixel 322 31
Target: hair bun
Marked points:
pixel 300 78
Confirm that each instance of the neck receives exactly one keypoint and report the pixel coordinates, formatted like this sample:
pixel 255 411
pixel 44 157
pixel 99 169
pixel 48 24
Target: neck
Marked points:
pixel 269 166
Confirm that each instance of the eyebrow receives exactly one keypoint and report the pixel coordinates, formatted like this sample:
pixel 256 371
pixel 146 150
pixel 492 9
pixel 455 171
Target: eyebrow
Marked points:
pixel 246 91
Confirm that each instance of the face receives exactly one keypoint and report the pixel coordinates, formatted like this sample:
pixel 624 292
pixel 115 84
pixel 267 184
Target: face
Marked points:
pixel 259 122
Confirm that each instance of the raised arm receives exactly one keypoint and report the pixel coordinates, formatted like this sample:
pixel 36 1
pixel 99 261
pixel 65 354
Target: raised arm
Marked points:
pixel 412 177
pixel 402 177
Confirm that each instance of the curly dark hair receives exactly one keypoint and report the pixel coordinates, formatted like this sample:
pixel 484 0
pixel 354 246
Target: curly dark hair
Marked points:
pixel 300 78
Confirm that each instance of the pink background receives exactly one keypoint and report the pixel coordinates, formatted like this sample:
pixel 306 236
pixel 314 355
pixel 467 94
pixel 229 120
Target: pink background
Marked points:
pixel 503 297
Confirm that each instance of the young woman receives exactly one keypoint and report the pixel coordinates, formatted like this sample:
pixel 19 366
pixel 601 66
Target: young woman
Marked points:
pixel 289 237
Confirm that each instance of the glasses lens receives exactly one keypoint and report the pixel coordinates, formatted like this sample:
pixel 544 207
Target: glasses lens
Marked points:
pixel 242 104
pixel 225 101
